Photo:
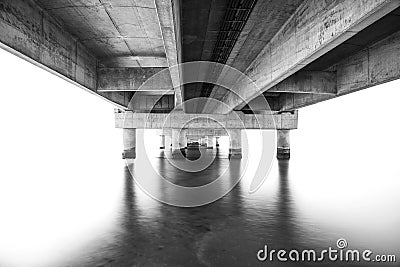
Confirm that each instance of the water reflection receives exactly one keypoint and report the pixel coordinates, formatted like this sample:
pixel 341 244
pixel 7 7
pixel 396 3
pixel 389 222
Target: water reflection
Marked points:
pixel 227 232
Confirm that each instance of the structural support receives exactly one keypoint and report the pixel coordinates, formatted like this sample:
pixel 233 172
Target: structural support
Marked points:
pixel 302 40
pixel 210 142
pixel 178 143
pixel 129 136
pixel 235 143
pixel 283 146
pixel 162 141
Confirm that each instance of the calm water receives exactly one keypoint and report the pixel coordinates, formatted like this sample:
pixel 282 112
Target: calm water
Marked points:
pixel 295 208
pixel 306 203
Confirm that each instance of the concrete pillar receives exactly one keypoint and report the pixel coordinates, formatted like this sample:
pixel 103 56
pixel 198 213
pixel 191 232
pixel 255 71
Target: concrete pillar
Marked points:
pixel 129 136
pixel 283 146
pixel 235 143
pixel 179 142
pixel 168 142
pixel 209 140
pixel 162 141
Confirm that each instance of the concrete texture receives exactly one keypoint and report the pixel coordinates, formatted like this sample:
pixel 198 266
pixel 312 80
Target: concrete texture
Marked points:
pixel 235 143
pixel 129 139
pixel 234 120
pixel 162 141
pixel 296 52
pixel 210 142
pixel 283 144
pixel 314 29
pixel 179 143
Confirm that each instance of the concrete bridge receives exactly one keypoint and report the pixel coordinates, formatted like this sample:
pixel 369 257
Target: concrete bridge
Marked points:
pixel 292 53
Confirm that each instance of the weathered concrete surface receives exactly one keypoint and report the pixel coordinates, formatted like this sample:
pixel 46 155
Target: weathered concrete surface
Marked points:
pixel 134 62
pixel 179 142
pixel 235 143
pixel 267 18
pixel 168 16
pixel 129 138
pixel 162 141
pixel 234 120
pixel 142 102
pixel 314 29
pixel 134 79
pixel 283 144
pixel 376 64
pixel 111 28
pixel 30 30
pixel 210 142
pixel 316 82
pixel 73 39
pixel 198 132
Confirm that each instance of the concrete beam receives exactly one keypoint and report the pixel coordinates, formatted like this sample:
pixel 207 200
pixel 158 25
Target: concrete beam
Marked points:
pixel 168 16
pixel 198 132
pixel 314 29
pixel 143 102
pixel 134 79
pixel 315 82
pixel 234 120
pixel 376 64
pixel 29 32
pixel 134 62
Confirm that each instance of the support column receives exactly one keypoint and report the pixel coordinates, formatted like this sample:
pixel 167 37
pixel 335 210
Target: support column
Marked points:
pixel 162 141
pixel 178 142
pixel 209 142
pixel 283 146
pixel 129 136
pixel 235 143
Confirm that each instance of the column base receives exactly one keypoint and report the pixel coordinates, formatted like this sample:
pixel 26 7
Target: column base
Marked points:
pixel 235 153
pixel 283 153
pixel 177 153
pixel 129 154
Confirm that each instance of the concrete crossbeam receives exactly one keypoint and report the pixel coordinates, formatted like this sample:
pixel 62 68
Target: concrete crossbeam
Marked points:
pixel 198 132
pixel 134 62
pixel 142 102
pixel 376 64
pixel 31 33
pixel 314 29
pixel 168 16
pixel 234 120
pixel 316 82
pixel 134 79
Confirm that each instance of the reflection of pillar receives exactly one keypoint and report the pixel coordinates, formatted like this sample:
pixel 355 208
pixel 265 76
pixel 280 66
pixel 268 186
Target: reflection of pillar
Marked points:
pixel 283 146
pixel 129 136
pixel 209 142
pixel 235 144
pixel 216 141
pixel 162 141
pixel 178 139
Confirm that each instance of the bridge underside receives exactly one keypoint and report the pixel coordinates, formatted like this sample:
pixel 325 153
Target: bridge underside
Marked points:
pixel 293 53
